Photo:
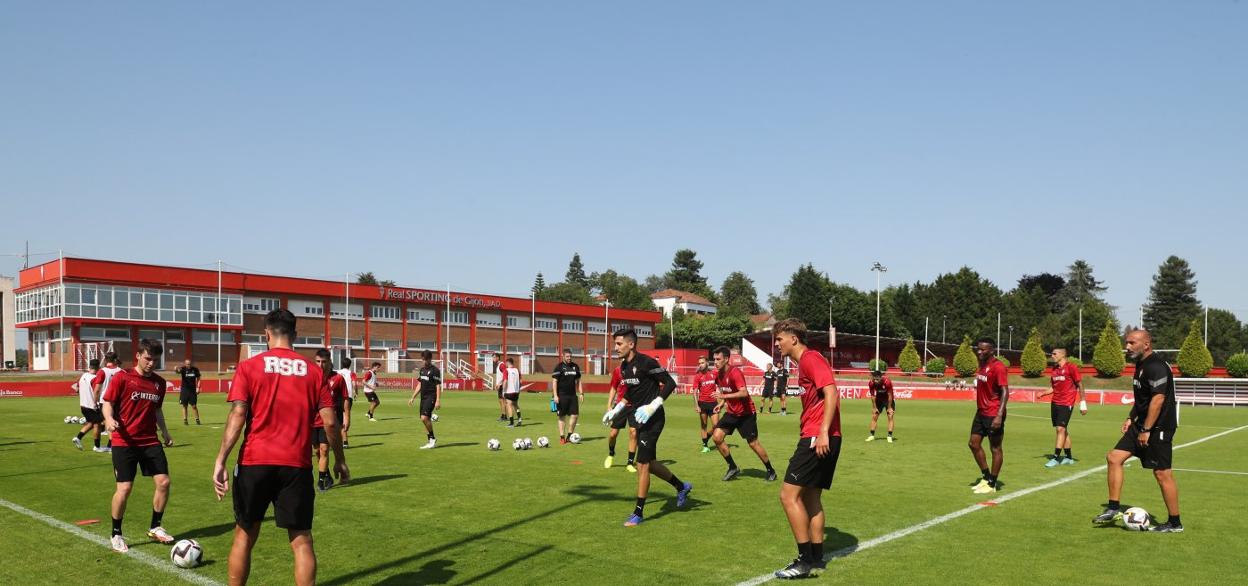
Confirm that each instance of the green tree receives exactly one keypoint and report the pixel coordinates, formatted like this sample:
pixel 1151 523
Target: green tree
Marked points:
pixel 703 331
pixel 737 295
pixel 1033 361
pixel 935 366
pixel 1108 357
pixel 806 298
pixel 576 272
pixel 368 278
pixel 539 285
pixel 964 361
pixel 1172 303
pixel 567 293
pixel 1225 335
pixel 1080 285
pixel 653 283
pixel 686 275
pixel 1194 358
pixel 622 290
pixel 909 360
pixel 1237 365
pixel 876 365
pixel 969 302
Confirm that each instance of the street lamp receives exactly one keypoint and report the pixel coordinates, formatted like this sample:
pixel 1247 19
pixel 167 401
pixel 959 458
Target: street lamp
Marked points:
pixel 878 268
pixel 942 328
pixel 1011 344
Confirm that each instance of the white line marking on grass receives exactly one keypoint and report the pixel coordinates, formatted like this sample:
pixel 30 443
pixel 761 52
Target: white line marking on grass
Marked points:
pixel 870 543
pixel 151 560
pixel 1211 471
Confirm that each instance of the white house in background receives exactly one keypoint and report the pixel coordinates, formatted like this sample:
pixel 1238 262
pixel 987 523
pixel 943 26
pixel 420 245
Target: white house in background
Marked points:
pixel 688 302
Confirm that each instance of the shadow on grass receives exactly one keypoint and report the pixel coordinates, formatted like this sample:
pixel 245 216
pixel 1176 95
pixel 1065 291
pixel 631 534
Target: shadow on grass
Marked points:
pixel 362 446
pixel 838 543
pixel 213 530
pixel 458 445
pixel 369 480
pixel 371 434
pixel 5 444
pixel 756 473
pixel 586 493
pixel 501 567
pixel 107 463
pixel 434 572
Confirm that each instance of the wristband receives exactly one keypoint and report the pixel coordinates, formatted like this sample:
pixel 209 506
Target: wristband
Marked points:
pixel 1083 405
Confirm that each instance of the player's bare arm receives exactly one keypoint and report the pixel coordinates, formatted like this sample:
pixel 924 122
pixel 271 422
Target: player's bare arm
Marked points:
pixel 233 429
pixel 831 402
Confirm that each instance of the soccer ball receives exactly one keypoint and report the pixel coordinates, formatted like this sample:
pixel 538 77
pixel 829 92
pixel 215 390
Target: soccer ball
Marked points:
pixel 80 420
pixel 1136 519
pixel 517 444
pixel 434 417
pixel 575 438
pixel 528 443
pixel 186 553
pixel 69 419
pixel 542 442
pixel 493 444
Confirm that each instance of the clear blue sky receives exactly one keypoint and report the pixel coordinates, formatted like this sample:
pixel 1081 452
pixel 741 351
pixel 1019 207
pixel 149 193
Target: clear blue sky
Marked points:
pixel 478 143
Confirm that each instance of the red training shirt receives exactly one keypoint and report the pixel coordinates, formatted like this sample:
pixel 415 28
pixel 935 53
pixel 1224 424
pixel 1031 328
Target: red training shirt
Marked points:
pixel 337 391
pixel 989 381
pixel 283 391
pixel 136 399
pixel 617 387
pixel 732 380
pixel 881 389
pixel 813 373
pixel 704 385
pixel 1064 379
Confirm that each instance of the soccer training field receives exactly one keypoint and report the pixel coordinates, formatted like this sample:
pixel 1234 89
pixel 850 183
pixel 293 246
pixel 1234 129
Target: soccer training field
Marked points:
pixel 461 514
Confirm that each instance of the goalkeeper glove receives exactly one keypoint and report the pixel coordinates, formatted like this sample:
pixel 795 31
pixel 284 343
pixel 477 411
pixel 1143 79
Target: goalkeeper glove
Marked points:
pixel 1083 406
pixel 606 419
pixel 644 413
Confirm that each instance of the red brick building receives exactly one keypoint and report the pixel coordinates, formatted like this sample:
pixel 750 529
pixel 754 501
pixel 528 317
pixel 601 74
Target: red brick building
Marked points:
pixel 74 307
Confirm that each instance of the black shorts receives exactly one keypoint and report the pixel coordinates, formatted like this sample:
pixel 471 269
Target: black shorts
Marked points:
pixel 747 424
pixel 188 397
pixel 648 435
pixel 500 392
pixel 569 405
pixel 621 419
pixel 1060 414
pixel 287 488
pixel 372 397
pixel 806 468
pixel 882 404
pixel 92 415
pixel 1155 456
pixel 149 459
pixel 707 407
pixel 513 397
pixel 426 404
pixel 319 436
pixel 769 392
pixel 982 425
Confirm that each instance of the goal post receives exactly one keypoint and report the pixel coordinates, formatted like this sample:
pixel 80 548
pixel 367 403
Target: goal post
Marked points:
pixel 393 373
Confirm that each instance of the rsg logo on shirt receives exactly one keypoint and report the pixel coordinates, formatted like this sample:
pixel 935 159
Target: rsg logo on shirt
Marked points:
pixel 285 366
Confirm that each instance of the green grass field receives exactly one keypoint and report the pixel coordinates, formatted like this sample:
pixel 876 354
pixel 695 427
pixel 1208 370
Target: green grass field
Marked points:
pixel 461 514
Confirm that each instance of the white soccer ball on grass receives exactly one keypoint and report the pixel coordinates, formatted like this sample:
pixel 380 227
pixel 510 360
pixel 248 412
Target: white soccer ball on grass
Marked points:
pixel 542 442
pixel 575 438
pixel 1136 519
pixel 186 553
pixel 493 444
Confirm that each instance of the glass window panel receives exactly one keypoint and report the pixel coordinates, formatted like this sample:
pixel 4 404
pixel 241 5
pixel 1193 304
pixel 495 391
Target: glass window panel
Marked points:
pixel 179 302
pixel 136 299
pixel 121 299
pixel 149 314
pixel 72 310
pixel 106 312
pixel 104 296
pixel 166 315
pixel 236 305
pixel 195 316
pixel 71 294
pixel 166 300
pixel 179 315
pixel 89 311
pixel 149 300
pixel 210 303
pixel 195 302
pixel 88 295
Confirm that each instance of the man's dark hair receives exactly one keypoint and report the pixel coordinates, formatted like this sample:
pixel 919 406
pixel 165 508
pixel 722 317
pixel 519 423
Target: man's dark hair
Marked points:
pixel 626 333
pixel 567 350
pixel 723 351
pixel 94 364
pixel 346 362
pixel 323 353
pixel 110 356
pixel 988 341
pixel 281 322
pixel 150 347
pixel 375 365
pixel 427 355
pixel 511 361
pixel 793 326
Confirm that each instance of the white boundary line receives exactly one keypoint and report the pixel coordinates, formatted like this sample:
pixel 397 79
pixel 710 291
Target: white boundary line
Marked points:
pixel 1211 471
pixel 870 543
pixel 153 561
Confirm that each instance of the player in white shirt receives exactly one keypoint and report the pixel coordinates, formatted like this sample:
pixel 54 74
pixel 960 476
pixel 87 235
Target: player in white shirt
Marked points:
pixel 89 402
pixel 511 392
pixel 112 366
pixel 370 389
pixel 349 378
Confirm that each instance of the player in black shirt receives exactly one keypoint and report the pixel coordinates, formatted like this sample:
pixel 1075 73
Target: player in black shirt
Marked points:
pixel 1148 432
pixel 567 394
pixel 190 389
pixel 430 391
pixel 782 388
pixel 647 384
pixel 769 389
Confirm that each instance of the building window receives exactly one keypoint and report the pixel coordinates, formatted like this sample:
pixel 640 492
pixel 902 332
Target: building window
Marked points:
pixel 210 337
pixel 548 350
pixel 251 304
pixel 490 320
pixel 460 346
pixel 644 331
pixel 254 339
pixel 455 318
pixel 422 316
pixel 385 312
pixel 355 342
pixel 597 327
pixel 422 345
pixel 489 347
pixel 305 308
pixel 518 321
pixel 547 323
pixel 577 326
pixel 314 341
pixel 517 348
pixel 342 310
pixel 129 303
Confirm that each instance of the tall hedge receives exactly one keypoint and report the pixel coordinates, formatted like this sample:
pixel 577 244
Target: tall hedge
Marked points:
pixel 875 365
pixel 909 360
pixel 965 361
pixel 1033 361
pixel 936 366
pixel 1108 357
pixel 1194 360
pixel 1237 365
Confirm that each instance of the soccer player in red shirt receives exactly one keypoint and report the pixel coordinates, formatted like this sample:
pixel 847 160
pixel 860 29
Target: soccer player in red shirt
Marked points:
pixel 1065 384
pixel 992 393
pixel 882 392
pixel 814 461
pixel 100 384
pixel 276 395
pixel 337 392
pixel 739 414
pixel 707 407
pixel 620 421
pixel 132 413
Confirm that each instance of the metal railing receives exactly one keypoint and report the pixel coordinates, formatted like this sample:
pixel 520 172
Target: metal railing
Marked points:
pixel 1211 391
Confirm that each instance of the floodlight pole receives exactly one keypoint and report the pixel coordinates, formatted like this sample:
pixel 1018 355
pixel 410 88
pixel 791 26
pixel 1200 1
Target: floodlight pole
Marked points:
pixel 878 268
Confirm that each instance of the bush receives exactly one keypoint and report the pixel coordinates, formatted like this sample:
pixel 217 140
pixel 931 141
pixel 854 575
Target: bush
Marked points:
pixel 964 361
pixel 1005 361
pixel 1108 357
pixel 1237 365
pixel 879 365
pixel 1194 358
pixel 936 366
pixel 1033 362
pixel 1074 361
pixel 909 360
